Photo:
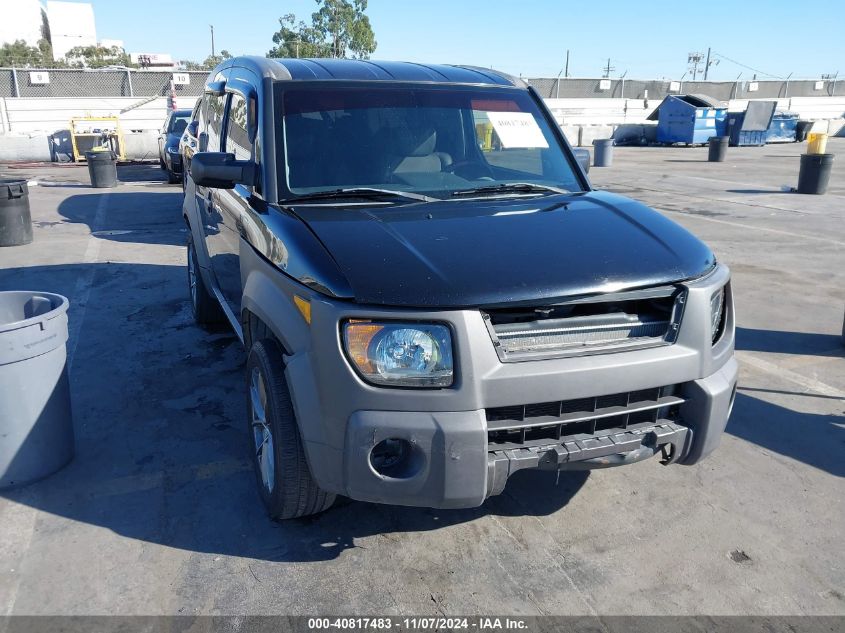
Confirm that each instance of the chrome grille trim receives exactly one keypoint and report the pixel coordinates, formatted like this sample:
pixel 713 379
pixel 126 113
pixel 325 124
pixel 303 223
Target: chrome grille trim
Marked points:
pixel 587 325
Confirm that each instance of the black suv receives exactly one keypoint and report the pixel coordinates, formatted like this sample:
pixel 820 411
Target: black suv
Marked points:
pixel 169 158
pixel 431 294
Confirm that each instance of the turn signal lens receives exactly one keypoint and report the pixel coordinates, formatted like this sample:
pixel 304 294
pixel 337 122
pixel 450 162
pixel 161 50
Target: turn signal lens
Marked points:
pixel 717 313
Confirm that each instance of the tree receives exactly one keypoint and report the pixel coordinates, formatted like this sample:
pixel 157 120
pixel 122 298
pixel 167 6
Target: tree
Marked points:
pixel 339 28
pixel 96 57
pixel 298 40
pixel 210 62
pixel 21 55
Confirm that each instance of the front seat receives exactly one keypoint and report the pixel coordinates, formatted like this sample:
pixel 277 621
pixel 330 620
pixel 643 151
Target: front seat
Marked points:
pixel 421 157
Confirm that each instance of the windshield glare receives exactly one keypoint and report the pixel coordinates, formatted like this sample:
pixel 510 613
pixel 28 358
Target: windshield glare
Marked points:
pixel 428 140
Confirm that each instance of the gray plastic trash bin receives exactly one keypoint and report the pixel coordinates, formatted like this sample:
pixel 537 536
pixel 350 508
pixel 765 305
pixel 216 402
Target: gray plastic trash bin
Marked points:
pixel 814 173
pixel 36 428
pixel 717 148
pixel 102 169
pixel 15 217
pixel 603 152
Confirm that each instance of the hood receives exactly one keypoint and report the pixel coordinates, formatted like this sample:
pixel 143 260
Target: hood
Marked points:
pixel 460 253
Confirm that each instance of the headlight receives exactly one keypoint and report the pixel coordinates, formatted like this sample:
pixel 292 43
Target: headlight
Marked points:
pixel 717 313
pixel 173 150
pixel 400 354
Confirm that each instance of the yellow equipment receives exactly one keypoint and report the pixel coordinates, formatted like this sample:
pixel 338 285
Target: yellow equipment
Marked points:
pixel 86 133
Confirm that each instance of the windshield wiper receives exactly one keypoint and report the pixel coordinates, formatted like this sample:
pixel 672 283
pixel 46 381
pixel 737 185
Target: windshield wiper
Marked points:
pixel 509 187
pixel 366 193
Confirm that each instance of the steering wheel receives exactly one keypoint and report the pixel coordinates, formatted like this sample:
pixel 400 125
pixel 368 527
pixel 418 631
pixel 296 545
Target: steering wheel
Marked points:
pixel 470 169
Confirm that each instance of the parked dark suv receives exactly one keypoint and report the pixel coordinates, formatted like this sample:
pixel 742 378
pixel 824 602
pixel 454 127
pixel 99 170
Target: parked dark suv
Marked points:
pixel 431 294
pixel 169 158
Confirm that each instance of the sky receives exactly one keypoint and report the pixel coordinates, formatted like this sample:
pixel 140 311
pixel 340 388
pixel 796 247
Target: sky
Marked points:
pixel 522 37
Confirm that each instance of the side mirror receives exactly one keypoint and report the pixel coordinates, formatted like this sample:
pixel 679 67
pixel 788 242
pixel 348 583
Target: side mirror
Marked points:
pixel 583 157
pixel 222 171
pixel 193 128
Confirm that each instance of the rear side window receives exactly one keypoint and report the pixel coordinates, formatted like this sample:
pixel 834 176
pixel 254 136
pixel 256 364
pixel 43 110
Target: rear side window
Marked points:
pixel 237 137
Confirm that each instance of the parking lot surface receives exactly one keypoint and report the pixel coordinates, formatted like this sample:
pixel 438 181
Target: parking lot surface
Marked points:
pixel 159 513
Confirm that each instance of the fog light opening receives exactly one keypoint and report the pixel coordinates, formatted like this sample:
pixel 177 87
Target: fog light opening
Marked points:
pixel 395 458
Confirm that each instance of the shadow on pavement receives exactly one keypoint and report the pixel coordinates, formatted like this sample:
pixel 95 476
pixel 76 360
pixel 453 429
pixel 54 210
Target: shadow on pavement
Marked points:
pixel 162 445
pixel 757 191
pixel 782 342
pixel 141 172
pixel 134 215
pixel 813 438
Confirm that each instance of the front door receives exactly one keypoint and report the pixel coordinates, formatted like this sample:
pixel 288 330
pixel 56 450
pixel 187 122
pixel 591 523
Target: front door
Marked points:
pixel 231 206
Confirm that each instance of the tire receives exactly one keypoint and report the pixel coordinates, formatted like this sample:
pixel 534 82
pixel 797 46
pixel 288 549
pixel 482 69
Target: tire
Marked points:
pixel 204 305
pixel 284 479
pixel 172 177
pixel 161 163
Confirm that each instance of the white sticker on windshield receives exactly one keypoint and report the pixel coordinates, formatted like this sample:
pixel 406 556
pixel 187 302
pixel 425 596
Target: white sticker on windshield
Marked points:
pixel 517 129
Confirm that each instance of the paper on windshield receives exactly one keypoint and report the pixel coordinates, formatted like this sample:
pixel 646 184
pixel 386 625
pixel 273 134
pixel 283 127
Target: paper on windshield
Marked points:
pixel 517 129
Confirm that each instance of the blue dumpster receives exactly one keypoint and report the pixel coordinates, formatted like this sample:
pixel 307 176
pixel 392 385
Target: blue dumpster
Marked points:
pixel 749 127
pixel 783 129
pixel 690 119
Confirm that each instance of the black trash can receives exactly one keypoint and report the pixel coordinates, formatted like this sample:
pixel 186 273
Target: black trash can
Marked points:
pixel 15 217
pixel 814 174
pixel 718 148
pixel 102 169
pixel 802 128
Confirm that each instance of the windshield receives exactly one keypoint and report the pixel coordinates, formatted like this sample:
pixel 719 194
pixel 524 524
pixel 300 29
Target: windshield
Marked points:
pixel 430 140
pixel 178 124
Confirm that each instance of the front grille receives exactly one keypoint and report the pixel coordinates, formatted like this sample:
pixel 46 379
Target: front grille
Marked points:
pixel 587 325
pixel 544 422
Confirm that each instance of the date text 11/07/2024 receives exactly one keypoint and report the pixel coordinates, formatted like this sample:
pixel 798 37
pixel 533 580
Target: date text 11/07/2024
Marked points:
pixel 417 623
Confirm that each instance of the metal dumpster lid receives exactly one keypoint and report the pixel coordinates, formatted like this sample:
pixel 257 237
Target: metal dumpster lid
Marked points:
pixel 695 100
pixel 758 116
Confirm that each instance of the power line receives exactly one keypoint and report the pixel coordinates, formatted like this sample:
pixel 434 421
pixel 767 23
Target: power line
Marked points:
pixel 733 61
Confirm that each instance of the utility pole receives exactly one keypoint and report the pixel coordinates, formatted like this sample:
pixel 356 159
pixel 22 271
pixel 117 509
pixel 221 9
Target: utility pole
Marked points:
pixel 707 64
pixel 212 39
pixel 831 78
pixel 694 59
pixel 566 68
pixel 608 69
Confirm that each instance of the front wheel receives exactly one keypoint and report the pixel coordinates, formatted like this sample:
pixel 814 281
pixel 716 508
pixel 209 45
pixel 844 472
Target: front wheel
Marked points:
pixel 284 479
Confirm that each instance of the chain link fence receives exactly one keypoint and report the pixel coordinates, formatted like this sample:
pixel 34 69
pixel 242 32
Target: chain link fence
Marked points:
pixel 568 88
pixel 30 82
pixel 96 83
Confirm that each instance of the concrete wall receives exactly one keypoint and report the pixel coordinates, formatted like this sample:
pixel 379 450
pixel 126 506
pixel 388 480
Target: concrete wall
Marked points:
pixel 48 114
pixel 27 123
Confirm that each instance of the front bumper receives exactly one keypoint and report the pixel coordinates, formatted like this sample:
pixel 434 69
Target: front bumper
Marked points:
pixel 174 162
pixel 459 468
